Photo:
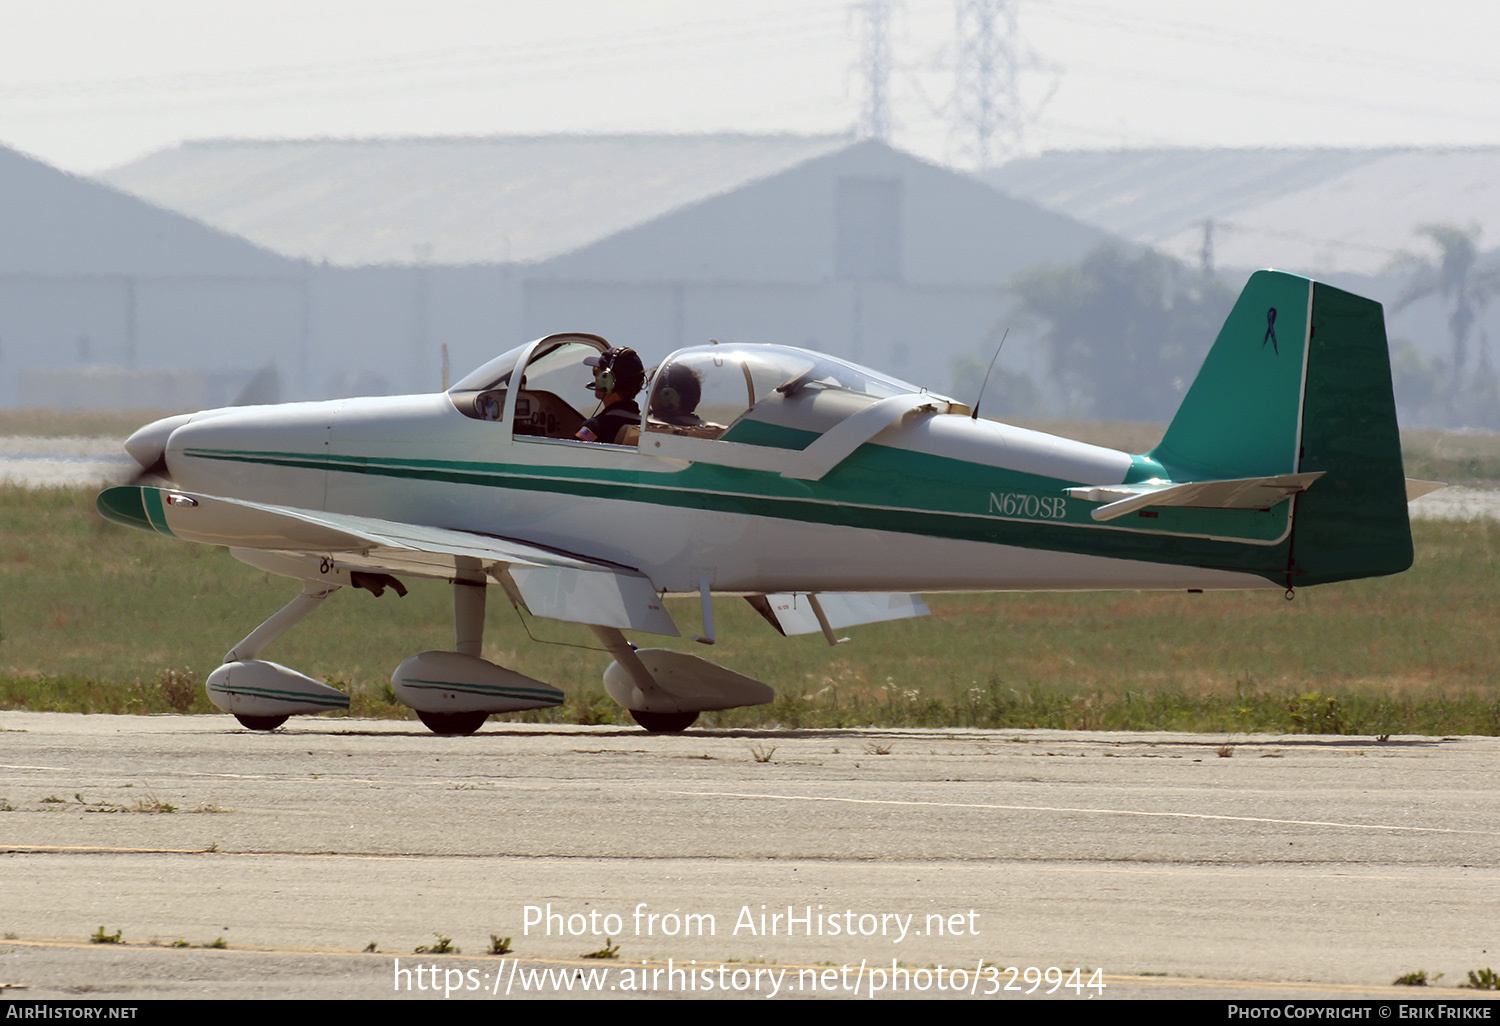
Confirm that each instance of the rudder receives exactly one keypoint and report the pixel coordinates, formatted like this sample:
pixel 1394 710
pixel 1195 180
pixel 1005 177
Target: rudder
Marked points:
pixel 1353 522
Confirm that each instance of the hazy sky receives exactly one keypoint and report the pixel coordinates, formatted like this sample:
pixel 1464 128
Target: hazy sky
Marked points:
pixel 88 84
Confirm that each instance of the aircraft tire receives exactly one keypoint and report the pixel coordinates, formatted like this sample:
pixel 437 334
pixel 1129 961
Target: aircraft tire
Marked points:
pixel 260 722
pixel 452 724
pixel 665 723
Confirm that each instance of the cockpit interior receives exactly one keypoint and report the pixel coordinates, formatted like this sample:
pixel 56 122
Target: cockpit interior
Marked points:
pixel 764 395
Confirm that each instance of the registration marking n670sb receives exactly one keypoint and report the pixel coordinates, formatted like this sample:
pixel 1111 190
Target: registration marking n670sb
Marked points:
pixel 1038 507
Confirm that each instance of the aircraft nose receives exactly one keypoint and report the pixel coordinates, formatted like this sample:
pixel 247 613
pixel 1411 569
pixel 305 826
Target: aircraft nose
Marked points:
pixel 148 445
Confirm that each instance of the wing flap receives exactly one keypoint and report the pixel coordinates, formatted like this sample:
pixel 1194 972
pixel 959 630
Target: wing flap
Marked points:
pixel 794 614
pixel 602 597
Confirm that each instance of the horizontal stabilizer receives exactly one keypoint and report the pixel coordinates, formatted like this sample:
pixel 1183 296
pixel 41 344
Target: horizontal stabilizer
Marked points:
pixel 1415 489
pixel 1237 493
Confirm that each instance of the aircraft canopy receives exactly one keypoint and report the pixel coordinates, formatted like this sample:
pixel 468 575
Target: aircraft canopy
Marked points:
pixel 759 395
pixel 762 394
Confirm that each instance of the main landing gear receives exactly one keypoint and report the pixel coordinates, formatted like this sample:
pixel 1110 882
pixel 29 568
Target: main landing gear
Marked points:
pixel 260 722
pixel 452 724
pixel 453 692
pixel 665 723
pixel 665 690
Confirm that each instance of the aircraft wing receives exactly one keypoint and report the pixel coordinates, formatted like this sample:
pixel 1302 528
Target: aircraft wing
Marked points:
pixel 1236 493
pixel 560 586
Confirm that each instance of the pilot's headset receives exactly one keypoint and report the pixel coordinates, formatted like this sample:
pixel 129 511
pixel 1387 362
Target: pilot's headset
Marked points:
pixel 606 380
pixel 668 400
pixel 677 391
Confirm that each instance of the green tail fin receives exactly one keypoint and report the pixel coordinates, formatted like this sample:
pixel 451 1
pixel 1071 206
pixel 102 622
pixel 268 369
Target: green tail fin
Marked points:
pixel 1353 522
pixel 1299 380
pixel 1241 416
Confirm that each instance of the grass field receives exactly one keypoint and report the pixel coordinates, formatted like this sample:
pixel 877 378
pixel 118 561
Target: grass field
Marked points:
pixel 95 617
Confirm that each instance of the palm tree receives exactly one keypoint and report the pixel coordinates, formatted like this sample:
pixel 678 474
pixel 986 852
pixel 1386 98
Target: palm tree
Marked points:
pixel 1458 279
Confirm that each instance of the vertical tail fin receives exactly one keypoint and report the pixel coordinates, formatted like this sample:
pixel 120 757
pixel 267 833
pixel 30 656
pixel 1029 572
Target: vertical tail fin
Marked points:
pixel 1299 380
pixel 1242 415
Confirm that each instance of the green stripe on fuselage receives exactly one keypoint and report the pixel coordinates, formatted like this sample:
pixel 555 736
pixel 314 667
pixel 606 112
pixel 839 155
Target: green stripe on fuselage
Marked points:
pixel 770 436
pixel 877 488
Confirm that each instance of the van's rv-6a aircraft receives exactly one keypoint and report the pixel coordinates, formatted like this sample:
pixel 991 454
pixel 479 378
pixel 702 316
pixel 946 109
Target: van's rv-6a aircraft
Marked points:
pixel 826 494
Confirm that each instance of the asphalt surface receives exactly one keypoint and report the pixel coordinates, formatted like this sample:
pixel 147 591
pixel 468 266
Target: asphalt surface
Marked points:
pixel 1194 866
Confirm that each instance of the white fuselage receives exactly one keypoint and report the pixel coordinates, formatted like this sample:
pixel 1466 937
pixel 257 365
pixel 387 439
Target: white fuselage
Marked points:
pixel 415 459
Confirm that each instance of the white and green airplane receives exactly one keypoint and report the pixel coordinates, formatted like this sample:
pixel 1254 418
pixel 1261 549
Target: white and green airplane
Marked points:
pixel 826 494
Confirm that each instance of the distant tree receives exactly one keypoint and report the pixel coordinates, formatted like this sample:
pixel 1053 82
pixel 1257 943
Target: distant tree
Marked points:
pixel 1128 328
pixel 1457 277
pixel 1418 384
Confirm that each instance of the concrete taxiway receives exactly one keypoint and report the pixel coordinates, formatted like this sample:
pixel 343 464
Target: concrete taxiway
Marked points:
pixel 1178 865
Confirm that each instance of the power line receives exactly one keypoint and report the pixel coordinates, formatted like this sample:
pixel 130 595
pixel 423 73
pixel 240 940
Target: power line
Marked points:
pixel 1324 52
pixel 875 68
pixel 564 58
pixel 990 116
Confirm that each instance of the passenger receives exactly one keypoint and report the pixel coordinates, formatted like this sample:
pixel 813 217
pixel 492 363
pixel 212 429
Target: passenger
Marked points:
pixel 675 398
pixel 618 377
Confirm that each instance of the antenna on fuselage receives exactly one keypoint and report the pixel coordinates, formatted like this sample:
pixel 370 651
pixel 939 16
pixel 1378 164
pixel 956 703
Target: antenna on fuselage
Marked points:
pixel 987 373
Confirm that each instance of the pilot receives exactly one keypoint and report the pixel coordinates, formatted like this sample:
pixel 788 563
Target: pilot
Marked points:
pixel 675 398
pixel 618 377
